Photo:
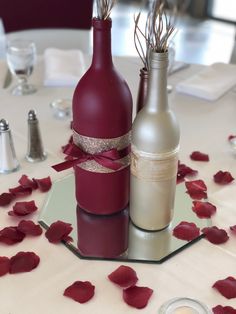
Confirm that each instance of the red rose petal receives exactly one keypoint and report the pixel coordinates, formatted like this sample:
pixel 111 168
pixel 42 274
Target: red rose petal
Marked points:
pixel 231 137
pixel 11 235
pixel 226 287
pixel 233 229
pixel 58 231
pixel 124 276
pixel 137 297
pixel 28 227
pixel 223 177
pixel 44 184
pixel 21 191
pixel 186 231
pixel 219 309
pixel 196 189
pixel 215 235
pixel 23 262
pixel 25 182
pixel 184 171
pixel 203 209
pixel 80 291
pixel 6 198
pixel 4 265
pixel 198 156
pixel 23 208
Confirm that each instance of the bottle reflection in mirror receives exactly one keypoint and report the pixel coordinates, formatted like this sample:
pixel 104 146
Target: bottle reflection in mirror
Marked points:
pixel 102 236
pixel 149 245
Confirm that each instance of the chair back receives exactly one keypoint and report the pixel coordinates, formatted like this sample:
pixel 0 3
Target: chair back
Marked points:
pixel 30 14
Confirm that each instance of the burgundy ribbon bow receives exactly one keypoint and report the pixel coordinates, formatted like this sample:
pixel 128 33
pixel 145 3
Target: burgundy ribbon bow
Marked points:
pixel 107 159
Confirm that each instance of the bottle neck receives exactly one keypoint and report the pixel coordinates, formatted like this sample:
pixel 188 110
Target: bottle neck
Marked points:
pixel 102 56
pixel 157 99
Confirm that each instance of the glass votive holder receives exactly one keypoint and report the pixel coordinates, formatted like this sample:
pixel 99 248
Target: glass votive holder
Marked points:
pixel 61 108
pixel 183 306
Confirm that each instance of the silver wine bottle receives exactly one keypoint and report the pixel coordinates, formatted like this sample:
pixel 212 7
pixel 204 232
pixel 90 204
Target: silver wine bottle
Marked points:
pixel 154 157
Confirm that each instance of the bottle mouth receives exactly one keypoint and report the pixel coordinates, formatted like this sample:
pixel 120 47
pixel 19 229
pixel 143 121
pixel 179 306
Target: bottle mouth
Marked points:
pixel 100 24
pixel 159 59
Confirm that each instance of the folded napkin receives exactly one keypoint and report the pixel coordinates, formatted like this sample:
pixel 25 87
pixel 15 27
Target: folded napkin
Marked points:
pixel 63 67
pixel 210 83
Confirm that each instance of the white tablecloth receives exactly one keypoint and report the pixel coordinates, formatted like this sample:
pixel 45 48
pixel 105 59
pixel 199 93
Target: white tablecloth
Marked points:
pixel 205 126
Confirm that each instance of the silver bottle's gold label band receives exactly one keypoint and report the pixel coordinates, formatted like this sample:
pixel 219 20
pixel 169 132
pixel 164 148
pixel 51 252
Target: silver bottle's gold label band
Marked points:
pixel 92 145
pixel 154 167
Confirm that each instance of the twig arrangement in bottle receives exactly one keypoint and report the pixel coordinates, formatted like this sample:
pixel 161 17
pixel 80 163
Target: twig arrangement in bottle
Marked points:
pixel 158 29
pixel 142 39
pixel 104 8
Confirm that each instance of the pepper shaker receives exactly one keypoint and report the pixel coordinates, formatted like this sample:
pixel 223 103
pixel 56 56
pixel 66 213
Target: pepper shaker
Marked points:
pixel 35 151
pixel 8 160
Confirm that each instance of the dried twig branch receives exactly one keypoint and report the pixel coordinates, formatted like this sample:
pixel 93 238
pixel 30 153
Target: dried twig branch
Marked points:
pixel 104 8
pixel 158 30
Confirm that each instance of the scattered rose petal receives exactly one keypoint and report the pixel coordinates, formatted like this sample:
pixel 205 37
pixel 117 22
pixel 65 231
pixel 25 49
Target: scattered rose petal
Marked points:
pixel 223 177
pixel 215 235
pixel 11 235
pixel 21 191
pixel 6 198
pixel 4 265
pixel 198 156
pixel 124 276
pixel 25 182
pixel 28 227
pixel 23 262
pixel 184 171
pixel 23 208
pixel 137 297
pixel 233 229
pixel 186 231
pixel 44 184
pixel 226 287
pixel 58 231
pixel 80 291
pixel 219 309
pixel 231 137
pixel 196 189
pixel 203 209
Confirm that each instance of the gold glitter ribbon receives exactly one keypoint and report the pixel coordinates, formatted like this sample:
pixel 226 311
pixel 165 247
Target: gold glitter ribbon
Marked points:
pixel 92 145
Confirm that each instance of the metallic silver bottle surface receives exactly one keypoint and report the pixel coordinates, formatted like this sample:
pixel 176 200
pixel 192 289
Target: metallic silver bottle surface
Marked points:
pixel 154 157
pixel 35 151
pixel 8 160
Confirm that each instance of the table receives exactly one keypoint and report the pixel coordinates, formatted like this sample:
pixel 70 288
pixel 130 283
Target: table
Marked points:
pixel 205 126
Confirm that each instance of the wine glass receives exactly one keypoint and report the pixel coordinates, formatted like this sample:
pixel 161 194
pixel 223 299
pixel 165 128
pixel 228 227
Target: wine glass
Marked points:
pixel 21 57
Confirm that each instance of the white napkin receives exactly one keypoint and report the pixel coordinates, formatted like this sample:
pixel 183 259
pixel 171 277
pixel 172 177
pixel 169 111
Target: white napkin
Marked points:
pixel 210 83
pixel 63 67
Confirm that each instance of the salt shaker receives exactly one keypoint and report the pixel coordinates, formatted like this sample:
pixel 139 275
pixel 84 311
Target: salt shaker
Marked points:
pixel 35 151
pixel 8 160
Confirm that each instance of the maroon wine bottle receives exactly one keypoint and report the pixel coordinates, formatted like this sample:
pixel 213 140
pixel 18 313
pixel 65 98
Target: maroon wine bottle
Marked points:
pixel 102 118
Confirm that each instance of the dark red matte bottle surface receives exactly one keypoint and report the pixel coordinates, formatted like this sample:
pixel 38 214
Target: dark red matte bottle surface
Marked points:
pixel 102 102
pixel 143 88
pixel 102 108
pixel 102 236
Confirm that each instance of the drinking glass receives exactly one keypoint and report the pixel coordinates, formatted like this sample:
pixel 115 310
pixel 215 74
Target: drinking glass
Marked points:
pixel 21 57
